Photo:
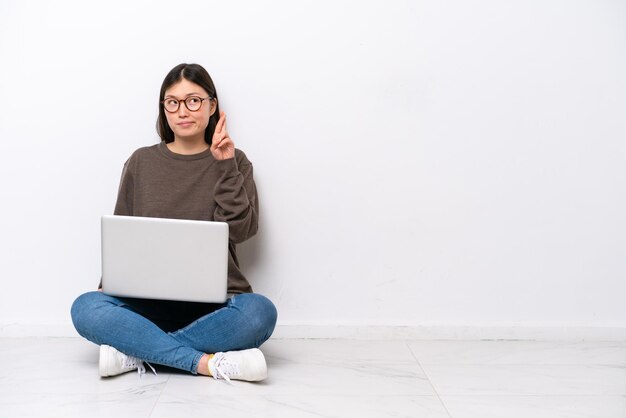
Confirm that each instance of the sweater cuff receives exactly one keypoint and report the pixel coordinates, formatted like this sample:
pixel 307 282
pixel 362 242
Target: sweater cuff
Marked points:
pixel 228 166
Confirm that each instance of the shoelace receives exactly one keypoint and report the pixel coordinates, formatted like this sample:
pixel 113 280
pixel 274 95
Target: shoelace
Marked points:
pixel 224 368
pixel 133 362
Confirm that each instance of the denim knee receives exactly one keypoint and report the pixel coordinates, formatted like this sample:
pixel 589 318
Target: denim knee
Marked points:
pixel 84 312
pixel 79 309
pixel 261 314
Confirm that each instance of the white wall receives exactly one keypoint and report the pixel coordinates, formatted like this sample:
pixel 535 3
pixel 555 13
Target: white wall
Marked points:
pixel 454 163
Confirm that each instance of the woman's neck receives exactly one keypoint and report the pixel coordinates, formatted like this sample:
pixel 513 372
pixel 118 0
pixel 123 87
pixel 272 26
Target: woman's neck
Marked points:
pixel 188 146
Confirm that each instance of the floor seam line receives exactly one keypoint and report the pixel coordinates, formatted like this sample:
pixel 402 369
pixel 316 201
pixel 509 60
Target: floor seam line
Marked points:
pixel 406 342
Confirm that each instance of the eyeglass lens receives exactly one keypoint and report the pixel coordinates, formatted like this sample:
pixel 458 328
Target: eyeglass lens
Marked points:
pixel 192 103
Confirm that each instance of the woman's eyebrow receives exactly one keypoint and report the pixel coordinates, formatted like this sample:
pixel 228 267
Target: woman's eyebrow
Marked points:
pixel 188 94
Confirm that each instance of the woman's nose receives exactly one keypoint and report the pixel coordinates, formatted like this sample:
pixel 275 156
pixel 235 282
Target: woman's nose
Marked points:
pixel 182 110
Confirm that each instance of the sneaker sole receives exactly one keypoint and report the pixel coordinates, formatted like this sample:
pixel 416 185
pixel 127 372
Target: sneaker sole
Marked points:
pixel 103 364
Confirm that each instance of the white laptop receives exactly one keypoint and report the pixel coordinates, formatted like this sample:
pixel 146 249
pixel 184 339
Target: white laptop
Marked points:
pixel 169 259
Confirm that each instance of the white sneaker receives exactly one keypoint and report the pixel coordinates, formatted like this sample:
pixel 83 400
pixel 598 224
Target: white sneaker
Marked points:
pixel 112 362
pixel 241 365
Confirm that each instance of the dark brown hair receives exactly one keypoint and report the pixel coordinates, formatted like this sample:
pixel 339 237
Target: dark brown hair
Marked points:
pixel 198 75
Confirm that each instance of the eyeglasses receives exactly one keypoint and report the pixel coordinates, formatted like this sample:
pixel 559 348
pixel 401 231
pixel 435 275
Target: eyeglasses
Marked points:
pixel 193 103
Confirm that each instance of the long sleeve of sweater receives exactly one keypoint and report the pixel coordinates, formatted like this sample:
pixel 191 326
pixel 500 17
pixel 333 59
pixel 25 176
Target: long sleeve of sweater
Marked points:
pixel 236 197
pixel 124 203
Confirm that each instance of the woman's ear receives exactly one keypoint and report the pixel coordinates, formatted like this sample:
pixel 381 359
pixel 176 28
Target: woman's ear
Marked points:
pixel 213 107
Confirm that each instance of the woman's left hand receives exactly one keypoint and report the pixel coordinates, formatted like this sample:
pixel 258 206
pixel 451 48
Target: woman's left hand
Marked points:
pixel 222 147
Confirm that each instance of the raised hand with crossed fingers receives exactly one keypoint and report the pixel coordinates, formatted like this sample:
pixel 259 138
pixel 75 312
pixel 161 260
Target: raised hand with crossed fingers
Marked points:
pixel 222 147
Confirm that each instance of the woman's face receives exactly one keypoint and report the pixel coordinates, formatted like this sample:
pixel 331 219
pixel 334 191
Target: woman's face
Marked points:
pixel 185 123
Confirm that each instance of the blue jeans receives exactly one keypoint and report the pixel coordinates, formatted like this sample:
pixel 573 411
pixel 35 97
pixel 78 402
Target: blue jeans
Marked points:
pixel 174 334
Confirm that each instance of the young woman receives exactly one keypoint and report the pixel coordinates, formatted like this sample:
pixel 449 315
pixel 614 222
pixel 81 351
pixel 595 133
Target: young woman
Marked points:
pixel 196 173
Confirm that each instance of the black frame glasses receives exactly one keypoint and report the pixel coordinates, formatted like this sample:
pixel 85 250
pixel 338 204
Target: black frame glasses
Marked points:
pixel 186 101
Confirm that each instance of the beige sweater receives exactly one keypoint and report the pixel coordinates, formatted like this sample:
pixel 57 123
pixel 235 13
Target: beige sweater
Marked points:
pixel 157 182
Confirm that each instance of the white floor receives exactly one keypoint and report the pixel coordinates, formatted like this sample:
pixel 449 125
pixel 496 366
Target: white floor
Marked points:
pixel 57 377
